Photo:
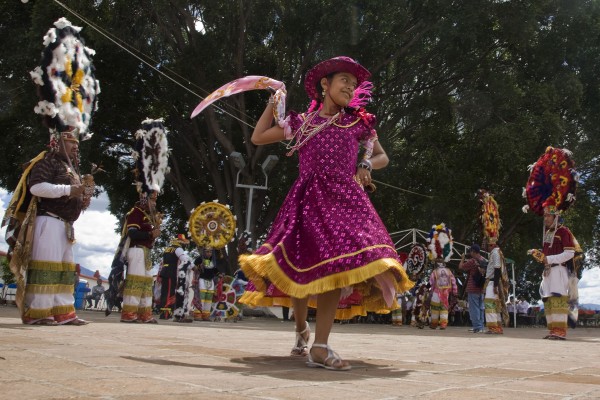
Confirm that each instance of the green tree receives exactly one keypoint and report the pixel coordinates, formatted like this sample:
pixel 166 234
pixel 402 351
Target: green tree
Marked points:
pixel 7 276
pixel 468 94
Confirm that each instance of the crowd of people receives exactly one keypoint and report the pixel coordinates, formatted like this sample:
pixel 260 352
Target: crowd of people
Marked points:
pixel 186 285
pixel 327 248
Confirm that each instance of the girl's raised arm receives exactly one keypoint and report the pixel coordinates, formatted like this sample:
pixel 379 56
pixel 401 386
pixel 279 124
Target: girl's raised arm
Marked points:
pixel 264 132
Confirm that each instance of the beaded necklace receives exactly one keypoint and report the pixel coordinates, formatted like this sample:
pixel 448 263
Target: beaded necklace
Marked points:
pixel 307 130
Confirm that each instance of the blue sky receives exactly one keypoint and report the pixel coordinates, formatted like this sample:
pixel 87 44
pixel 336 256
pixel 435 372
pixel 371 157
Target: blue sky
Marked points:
pixel 97 241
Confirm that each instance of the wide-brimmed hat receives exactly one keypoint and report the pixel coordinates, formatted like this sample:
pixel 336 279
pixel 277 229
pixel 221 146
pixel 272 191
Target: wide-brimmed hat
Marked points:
pixel 336 64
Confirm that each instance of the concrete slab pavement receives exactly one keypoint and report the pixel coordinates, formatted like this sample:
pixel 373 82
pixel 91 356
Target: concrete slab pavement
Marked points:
pixel 249 360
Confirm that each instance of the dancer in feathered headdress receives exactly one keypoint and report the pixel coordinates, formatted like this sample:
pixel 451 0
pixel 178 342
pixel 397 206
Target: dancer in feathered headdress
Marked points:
pixel 550 191
pixel 496 284
pixel 142 225
pixel 442 280
pixel 51 193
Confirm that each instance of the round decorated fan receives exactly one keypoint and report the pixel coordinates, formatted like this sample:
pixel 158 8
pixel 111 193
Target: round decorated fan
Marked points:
pixel 552 182
pixel 212 224
pixel 416 260
pixel 67 86
pixel 440 242
pixel 489 216
pixel 225 299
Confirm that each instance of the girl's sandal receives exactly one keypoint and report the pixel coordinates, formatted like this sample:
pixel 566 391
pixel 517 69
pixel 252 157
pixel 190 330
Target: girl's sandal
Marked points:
pixel 332 362
pixel 302 338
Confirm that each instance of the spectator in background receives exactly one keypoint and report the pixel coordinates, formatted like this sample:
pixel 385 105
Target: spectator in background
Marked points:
pixel 475 282
pixel 96 294
pixel 285 312
pixel 522 306
pixel 510 307
pixel 410 299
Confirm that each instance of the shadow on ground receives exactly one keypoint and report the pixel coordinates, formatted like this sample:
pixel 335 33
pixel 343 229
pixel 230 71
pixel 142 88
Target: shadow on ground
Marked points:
pixel 290 368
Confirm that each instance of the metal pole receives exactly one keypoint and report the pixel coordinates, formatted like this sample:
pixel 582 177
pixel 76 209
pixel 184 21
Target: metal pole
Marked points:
pixel 249 210
pixel 514 282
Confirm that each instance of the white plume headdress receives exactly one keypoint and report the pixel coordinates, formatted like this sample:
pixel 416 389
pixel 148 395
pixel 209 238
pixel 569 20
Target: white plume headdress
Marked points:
pixel 67 87
pixel 151 155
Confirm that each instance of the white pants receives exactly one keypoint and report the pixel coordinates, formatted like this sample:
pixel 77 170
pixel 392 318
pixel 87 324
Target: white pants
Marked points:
pixel 50 274
pixel 137 296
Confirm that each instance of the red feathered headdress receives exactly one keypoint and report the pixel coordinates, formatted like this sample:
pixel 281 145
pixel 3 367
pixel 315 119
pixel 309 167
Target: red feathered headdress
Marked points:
pixel 552 182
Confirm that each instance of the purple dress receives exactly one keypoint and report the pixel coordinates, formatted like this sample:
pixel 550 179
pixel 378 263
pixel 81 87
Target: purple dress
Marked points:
pixel 327 234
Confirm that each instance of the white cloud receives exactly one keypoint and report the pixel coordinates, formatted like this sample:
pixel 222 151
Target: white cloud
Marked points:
pixel 97 240
pixel 95 233
pixel 589 286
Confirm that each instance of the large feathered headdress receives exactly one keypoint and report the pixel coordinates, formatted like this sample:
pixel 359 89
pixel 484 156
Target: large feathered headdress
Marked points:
pixel 439 242
pixel 151 155
pixel 489 217
pixel 552 182
pixel 67 86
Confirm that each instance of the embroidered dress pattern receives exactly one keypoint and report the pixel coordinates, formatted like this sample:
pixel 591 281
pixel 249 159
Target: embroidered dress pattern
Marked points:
pixel 327 234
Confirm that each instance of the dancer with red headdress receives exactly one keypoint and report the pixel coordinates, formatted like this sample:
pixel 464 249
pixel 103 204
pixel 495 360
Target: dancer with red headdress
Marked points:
pixel 550 190
pixel 327 242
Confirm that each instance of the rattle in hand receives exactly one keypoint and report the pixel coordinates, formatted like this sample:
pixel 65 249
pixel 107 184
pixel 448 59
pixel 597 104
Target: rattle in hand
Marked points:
pixel 536 254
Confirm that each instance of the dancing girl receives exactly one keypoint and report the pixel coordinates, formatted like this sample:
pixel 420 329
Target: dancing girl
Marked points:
pixel 327 246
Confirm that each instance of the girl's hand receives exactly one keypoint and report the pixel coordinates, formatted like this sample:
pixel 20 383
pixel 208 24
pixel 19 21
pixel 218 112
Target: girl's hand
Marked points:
pixel 363 176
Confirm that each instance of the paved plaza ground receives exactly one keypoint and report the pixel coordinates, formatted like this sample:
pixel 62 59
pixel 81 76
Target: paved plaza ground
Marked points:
pixel 248 360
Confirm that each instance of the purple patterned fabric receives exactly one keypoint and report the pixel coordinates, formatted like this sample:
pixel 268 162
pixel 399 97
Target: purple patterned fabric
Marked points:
pixel 327 227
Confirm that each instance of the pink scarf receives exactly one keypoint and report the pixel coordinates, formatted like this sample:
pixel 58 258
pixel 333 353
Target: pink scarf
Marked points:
pixel 252 82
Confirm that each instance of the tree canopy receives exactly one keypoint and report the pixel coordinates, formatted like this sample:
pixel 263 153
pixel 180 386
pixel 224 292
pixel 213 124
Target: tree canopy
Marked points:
pixel 467 95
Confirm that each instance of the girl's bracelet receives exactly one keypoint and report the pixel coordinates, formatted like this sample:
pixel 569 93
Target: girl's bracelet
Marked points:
pixel 366 164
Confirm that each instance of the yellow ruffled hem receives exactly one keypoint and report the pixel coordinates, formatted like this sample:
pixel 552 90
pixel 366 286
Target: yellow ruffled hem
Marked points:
pixel 261 269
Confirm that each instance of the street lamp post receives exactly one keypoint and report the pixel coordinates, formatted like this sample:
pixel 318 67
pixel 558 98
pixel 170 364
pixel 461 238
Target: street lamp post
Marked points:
pixel 266 167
